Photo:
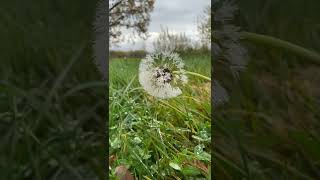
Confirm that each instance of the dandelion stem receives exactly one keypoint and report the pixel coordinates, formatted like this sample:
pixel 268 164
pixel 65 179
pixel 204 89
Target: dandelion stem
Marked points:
pixel 275 42
pixel 194 74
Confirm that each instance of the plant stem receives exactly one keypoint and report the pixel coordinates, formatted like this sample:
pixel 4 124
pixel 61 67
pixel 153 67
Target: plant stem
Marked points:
pixel 272 41
pixel 194 74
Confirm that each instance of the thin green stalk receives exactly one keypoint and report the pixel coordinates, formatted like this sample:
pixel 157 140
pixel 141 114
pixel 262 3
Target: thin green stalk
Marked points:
pixel 272 41
pixel 194 74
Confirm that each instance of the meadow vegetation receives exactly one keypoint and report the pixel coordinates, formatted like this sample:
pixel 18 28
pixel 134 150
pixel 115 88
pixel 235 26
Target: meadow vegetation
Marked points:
pixel 53 102
pixel 160 139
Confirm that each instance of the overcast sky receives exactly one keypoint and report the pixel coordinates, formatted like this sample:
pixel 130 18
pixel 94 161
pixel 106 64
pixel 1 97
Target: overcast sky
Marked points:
pixel 177 15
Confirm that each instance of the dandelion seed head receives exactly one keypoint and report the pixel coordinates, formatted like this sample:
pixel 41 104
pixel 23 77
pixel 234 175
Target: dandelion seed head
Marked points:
pixel 161 74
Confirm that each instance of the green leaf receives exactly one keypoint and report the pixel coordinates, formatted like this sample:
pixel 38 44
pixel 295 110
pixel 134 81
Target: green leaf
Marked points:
pixel 175 166
pixel 204 156
pixel 190 171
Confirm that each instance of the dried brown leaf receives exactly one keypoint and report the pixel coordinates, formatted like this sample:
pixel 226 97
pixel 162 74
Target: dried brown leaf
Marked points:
pixel 123 173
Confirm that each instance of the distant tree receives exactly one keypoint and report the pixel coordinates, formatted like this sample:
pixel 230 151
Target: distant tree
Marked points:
pixel 129 14
pixel 167 41
pixel 204 27
pixel 122 14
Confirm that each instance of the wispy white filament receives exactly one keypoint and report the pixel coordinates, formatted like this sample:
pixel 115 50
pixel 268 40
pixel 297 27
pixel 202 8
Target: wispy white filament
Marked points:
pixel 157 77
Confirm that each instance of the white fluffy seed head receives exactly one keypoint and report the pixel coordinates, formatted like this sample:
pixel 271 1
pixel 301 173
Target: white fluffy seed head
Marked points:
pixel 161 74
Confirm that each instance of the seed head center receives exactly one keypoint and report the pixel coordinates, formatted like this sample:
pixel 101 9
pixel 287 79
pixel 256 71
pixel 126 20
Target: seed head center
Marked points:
pixel 164 74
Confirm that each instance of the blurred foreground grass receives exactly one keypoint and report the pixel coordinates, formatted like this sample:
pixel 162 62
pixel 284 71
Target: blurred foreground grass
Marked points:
pixel 52 99
pixel 270 128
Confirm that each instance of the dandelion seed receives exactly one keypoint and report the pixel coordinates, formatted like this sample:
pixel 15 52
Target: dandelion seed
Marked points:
pixel 226 44
pixel 157 77
pixel 226 36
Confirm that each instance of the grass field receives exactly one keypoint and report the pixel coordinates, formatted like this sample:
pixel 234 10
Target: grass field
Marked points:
pixel 159 139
